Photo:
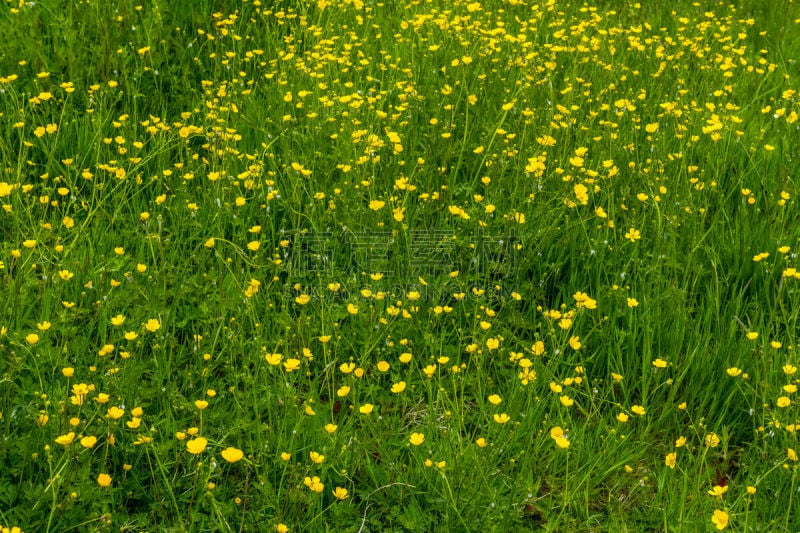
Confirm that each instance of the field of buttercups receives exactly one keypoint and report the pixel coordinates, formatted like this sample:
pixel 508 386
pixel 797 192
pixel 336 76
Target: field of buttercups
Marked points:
pixel 420 265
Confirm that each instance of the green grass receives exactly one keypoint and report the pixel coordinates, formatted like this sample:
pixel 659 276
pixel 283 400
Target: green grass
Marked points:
pixel 566 202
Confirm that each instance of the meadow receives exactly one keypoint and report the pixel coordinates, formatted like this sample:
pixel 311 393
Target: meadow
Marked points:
pixel 384 266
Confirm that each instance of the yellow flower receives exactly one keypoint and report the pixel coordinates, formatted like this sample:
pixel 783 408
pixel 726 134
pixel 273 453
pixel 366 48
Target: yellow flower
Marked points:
pixel 720 519
pixel 291 364
pixel 5 189
pixel 273 358
pixel 104 480
pixel 583 300
pixel 317 457
pixel 32 338
pixel 105 350
pixel 633 302
pixel 416 438
pixel 232 454
pixel 633 235
pixel 313 483
pixel 562 442
pixel 566 401
pixel 670 459
pixel 492 343
pixel 501 418
pixel 575 343
pixel 197 445
pixel 66 440
pixel 152 325
pixel 331 428
pixel 340 493
pixel 734 372
pixel 639 410
pixel 88 441
pixel 660 363
pixel 200 404
pixel 398 387
pixel 366 409
pixel 115 413
pixel 783 401
pixel 718 491
pixel 712 440
pixel 538 348
pixel 79 393
pixel 495 399
pixel 303 299
pixel 376 205
pixel 791 454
